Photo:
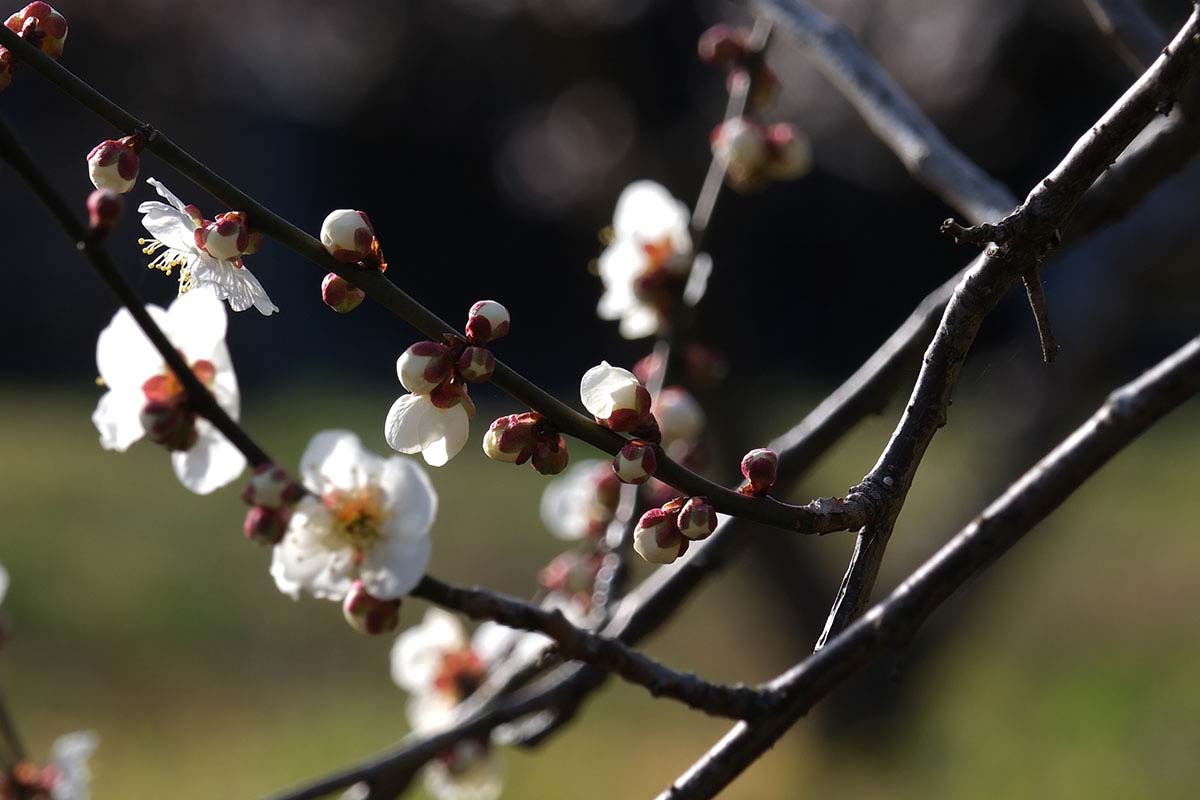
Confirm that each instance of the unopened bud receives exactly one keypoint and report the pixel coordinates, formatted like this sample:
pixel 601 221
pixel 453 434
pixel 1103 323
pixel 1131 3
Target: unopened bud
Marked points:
pixel 113 164
pixel 722 46
pixel 104 209
pixel 487 321
pixel 170 424
pixel 656 537
pixel 348 235
pixel 271 487
pixel 423 366
pixel 741 146
pixel 226 238
pixel 759 468
pixel 679 416
pixel 697 519
pixel 368 614
pixel 42 25
pixel 476 364
pixel 789 152
pixel 636 462
pixel 266 525
pixel 615 397
pixel 340 295
pixel 550 455
pixel 7 62
pixel 511 439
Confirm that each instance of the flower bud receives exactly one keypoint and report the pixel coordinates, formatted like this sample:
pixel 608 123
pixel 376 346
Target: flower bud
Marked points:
pixel 656 538
pixel 487 321
pixel 340 295
pixel 789 152
pixel 679 416
pixel 615 397
pixel 104 209
pixel 368 614
pixel 759 468
pixel 741 146
pixel 511 439
pixel 722 46
pixel 113 164
pixel 7 62
pixel 266 525
pixel 697 519
pixel 271 487
pixel 226 238
pixel 42 25
pixel 636 462
pixel 550 455
pixel 476 364
pixel 170 424
pixel 423 366
pixel 348 235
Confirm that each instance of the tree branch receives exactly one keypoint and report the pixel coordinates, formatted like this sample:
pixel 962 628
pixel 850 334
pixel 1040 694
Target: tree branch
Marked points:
pixel 1133 34
pixel 892 623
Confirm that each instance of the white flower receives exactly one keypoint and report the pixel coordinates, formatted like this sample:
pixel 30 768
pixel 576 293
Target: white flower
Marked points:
pixel 369 520
pixel 130 367
pixel 468 772
pixel 615 397
pixel 680 417
pixel 437 430
pixel 69 765
pixel 648 260
pixel 582 501
pixel 174 230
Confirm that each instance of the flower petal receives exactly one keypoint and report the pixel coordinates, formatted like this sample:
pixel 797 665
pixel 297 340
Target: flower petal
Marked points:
pixel 166 194
pixel 212 462
pixel 333 460
pixel 392 568
pixel 417 653
pixel 69 757
pixel 443 433
pixel 124 356
pixel 118 418
pixel 402 428
pixel 410 500
pixel 235 284
pixel 602 385
pixel 646 212
pixel 196 323
pixel 303 561
pixel 639 321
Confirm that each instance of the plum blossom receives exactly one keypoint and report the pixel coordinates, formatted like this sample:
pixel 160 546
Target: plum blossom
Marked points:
pixel 440 668
pixel 206 253
pixel 647 263
pixel 145 398
pixel 367 519
pixel 615 397
pixel 70 775
pixel 582 502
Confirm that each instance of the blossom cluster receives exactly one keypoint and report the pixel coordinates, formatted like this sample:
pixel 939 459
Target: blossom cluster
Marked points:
pixel 40 25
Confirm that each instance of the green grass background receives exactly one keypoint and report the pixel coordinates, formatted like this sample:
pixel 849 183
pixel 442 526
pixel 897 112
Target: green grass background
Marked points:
pixel 138 610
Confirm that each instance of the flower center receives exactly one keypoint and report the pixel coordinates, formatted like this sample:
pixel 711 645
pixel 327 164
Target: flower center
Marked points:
pixel 167 388
pixel 461 673
pixel 659 253
pixel 358 514
pixel 168 259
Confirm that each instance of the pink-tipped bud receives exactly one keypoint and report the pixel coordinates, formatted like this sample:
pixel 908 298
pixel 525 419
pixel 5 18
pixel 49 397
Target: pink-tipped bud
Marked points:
pixel 113 164
pixel 511 439
pixel 615 397
pixel 476 364
pixel 170 424
pixel 740 145
pixel 42 25
pixel 266 525
pixel 697 519
pixel 348 235
pixel 789 152
pixel 656 537
pixel 104 209
pixel 722 46
pixel 368 614
pixel 271 487
pixel 550 455
pixel 487 321
pixel 340 295
pixel 226 238
pixel 423 366
pixel 636 462
pixel 759 468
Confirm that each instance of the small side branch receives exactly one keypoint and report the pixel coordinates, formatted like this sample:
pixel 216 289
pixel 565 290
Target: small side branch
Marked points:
pixel 1133 34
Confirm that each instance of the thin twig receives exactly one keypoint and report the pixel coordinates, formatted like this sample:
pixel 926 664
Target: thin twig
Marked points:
pixel 1133 34
pixel 892 623
pixel 823 516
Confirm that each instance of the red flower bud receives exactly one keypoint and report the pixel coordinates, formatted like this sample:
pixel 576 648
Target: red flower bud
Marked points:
pixel 370 615
pixel 759 468
pixel 340 295
pixel 266 525
pixel 104 209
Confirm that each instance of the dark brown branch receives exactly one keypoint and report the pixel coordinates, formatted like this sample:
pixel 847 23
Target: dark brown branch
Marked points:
pixel 892 623
pixel 1135 37
pixel 738 702
pixel 199 397
pixel 1031 233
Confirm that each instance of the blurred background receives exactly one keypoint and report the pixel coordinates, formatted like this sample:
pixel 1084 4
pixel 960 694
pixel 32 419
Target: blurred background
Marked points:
pixel 489 139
